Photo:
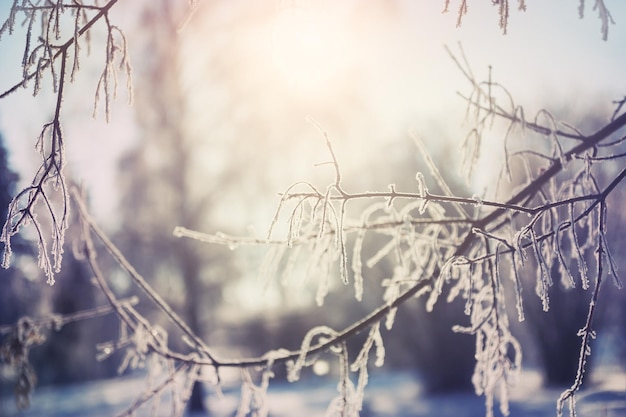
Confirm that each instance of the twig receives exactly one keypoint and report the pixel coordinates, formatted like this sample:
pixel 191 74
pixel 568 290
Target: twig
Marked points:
pixel 139 280
pixel 62 49
pixel 587 331
pixel 58 321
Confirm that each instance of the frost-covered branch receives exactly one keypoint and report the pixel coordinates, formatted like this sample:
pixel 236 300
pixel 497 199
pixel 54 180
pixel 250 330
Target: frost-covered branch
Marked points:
pixel 434 254
pixel 137 278
pixel 17 340
pixel 58 321
pixel 72 42
pixel 465 253
pixel 49 183
pixel 587 333
pixel 504 7
pixel 22 208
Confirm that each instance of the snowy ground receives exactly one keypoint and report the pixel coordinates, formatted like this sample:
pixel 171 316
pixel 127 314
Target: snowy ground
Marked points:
pixel 387 395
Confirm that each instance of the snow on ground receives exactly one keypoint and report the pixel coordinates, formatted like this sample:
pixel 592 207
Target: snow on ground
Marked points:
pixel 394 394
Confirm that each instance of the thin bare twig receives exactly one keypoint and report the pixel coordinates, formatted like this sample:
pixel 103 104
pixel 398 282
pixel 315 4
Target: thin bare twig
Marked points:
pixel 139 280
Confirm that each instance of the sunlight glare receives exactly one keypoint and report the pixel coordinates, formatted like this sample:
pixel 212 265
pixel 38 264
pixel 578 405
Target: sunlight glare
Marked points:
pixel 306 48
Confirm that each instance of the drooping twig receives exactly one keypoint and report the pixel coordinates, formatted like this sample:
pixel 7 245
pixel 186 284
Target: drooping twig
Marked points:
pixel 140 281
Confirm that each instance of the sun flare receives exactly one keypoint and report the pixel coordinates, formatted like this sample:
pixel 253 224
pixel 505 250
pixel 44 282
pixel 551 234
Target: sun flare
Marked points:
pixel 307 48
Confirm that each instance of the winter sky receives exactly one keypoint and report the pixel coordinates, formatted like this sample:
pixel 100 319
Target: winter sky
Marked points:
pixel 549 58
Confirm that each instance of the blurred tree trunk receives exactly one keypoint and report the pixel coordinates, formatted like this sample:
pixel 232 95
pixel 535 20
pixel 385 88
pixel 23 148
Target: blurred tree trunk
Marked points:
pixel 158 196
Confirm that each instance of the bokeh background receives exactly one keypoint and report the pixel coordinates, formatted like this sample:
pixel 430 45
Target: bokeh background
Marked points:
pixel 222 121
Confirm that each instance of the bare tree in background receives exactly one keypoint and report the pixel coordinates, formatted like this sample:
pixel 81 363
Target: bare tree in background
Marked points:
pixel 156 181
pixel 443 246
